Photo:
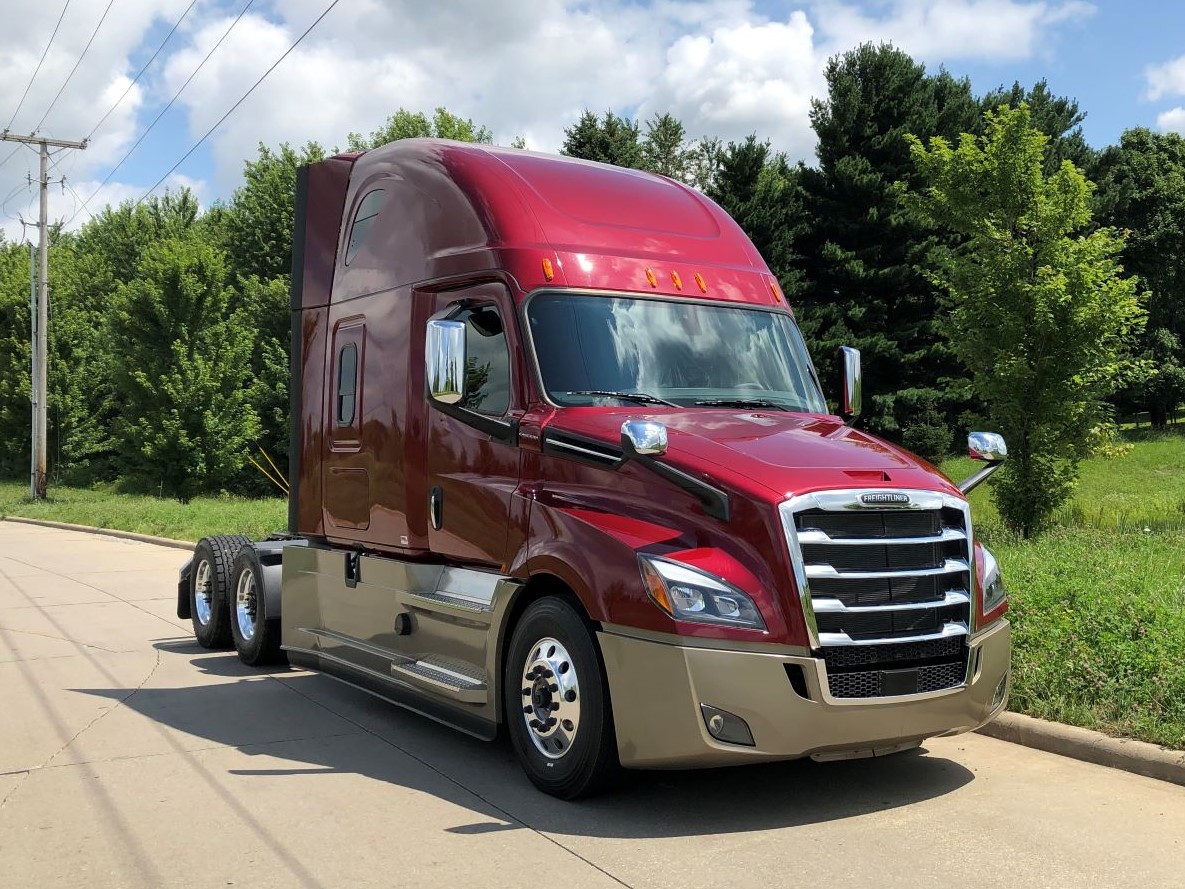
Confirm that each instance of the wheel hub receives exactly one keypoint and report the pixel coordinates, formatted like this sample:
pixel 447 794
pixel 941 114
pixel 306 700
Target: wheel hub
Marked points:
pixel 202 592
pixel 551 698
pixel 246 602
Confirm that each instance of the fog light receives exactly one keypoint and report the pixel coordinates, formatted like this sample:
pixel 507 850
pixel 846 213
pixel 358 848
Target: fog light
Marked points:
pixel 725 726
pixel 1000 693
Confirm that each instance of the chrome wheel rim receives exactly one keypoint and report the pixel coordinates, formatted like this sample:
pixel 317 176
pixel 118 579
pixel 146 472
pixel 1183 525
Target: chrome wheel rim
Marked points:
pixel 202 592
pixel 551 698
pixel 246 601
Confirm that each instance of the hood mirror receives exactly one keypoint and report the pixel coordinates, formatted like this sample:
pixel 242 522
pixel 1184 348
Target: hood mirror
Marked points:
pixel 645 437
pixel 444 360
pixel 986 446
pixel 851 384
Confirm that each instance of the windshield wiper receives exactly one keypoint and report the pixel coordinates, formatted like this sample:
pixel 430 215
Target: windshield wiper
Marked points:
pixel 742 402
pixel 625 396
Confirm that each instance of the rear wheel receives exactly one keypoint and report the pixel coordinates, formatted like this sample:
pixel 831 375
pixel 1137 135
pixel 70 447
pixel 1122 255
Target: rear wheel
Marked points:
pixel 556 701
pixel 256 635
pixel 208 584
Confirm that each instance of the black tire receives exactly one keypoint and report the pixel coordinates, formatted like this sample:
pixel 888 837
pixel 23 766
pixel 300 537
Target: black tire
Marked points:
pixel 211 622
pixel 263 646
pixel 588 764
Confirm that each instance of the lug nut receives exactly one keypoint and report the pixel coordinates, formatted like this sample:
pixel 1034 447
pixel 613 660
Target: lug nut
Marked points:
pixel 528 709
pixel 526 692
pixel 555 705
pixel 553 688
pixel 535 724
pixel 550 721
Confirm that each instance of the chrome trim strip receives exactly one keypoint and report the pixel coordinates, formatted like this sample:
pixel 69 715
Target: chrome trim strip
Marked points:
pixel 588 452
pixel 952 566
pixel 843 639
pixel 947 534
pixel 787 510
pixel 828 605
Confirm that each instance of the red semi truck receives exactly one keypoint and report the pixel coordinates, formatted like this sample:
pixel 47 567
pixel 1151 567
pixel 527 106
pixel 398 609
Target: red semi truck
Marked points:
pixel 560 463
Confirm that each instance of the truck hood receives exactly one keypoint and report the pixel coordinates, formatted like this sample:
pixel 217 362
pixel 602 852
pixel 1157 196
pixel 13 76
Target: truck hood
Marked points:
pixel 784 453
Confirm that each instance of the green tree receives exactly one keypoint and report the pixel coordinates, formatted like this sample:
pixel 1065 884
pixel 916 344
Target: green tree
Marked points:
pixel 607 140
pixel 264 308
pixel 1058 117
pixel 16 414
pixel 404 124
pixel 1142 190
pixel 862 246
pixel 665 149
pixel 1038 310
pixel 258 222
pixel 182 381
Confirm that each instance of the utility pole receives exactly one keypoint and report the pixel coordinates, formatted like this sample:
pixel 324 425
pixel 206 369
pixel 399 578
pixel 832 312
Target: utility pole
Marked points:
pixel 38 479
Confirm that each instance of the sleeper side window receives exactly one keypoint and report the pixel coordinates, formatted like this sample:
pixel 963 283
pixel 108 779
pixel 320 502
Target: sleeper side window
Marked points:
pixel 487 370
pixel 347 384
pixel 364 218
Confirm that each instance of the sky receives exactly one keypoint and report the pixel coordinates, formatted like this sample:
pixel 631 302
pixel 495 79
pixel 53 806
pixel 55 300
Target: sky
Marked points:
pixel 521 67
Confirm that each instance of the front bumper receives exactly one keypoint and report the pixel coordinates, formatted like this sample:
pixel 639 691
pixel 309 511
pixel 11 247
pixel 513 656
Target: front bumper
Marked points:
pixel 657 689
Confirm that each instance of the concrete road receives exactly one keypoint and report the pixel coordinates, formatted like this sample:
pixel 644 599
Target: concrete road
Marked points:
pixel 130 757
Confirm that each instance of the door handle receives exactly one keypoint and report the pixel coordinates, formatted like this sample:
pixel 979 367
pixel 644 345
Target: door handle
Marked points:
pixel 436 508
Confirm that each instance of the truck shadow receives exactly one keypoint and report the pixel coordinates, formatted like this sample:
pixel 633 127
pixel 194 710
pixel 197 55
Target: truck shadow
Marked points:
pixel 341 729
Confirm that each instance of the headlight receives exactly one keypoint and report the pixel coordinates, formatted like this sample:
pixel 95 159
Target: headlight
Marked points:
pixel 686 593
pixel 993 584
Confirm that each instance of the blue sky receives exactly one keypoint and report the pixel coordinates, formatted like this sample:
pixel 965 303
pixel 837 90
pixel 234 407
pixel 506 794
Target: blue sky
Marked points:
pixel 523 67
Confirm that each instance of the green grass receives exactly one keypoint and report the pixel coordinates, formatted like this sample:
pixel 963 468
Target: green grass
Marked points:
pixel 105 507
pixel 1098 602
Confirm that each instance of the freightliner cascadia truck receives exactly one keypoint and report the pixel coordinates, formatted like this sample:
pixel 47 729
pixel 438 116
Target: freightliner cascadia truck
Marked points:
pixel 561 466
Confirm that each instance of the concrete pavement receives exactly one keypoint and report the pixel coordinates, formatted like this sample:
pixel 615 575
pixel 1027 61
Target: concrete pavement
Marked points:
pixel 131 757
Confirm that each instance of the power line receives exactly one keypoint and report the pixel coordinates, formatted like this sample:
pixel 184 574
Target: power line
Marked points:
pixel 147 64
pixel 276 63
pixel 82 56
pixel 37 70
pixel 123 160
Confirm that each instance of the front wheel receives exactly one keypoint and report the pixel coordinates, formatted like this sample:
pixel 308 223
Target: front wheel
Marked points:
pixel 557 704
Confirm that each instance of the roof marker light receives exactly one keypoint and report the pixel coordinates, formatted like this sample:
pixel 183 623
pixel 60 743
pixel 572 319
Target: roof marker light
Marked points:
pixel 773 288
pixel 676 280
pixel 651 277
pixel 548 271
pixel 703 285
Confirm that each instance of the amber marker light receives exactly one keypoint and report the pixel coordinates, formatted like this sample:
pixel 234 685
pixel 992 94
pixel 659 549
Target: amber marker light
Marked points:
pixel 651 277
pixel 676 280
pixel 701 283
pixel 773 288
pixel 548 271
pixel 656 588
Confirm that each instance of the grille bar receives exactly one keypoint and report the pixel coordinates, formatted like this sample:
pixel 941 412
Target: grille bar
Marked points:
pixel 947 534
pixel 824 605
pixel 951 566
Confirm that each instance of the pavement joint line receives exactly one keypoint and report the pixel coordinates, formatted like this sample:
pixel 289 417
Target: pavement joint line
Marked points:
pixel 1087 745
pixel 57 638
pixel 508 816
pixel 114 598
pixel 189 751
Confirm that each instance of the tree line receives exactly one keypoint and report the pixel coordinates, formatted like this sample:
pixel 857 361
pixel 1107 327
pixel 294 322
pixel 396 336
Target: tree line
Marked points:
pixel 169 327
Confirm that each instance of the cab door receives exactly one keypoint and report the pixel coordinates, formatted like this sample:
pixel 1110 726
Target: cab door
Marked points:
pixel 472 445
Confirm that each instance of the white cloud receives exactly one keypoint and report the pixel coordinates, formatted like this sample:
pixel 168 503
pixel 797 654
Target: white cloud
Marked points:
pixel 1172 121
pixel 1167 79
pixel 940 30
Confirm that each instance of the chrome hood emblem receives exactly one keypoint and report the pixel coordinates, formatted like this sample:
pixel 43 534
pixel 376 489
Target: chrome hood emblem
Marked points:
pixel 877 498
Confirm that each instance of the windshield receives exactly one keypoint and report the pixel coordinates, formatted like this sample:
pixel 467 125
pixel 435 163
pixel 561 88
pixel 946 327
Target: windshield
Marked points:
pixel 594 349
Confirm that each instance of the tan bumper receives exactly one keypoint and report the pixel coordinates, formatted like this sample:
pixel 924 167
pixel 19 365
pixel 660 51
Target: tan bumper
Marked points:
pixel 657 689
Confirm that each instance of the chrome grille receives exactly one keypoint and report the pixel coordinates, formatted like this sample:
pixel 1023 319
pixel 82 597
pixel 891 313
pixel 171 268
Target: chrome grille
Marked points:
pixel 887 588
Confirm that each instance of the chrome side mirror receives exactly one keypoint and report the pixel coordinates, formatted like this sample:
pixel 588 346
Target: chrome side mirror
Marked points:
pixel 986 446
pixel 645 437
pixel 851 383
pixel 444 360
